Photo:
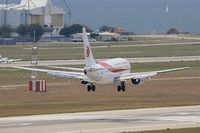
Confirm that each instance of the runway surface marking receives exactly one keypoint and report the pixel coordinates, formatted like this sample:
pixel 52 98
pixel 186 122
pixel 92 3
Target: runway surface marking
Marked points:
pixel 12 125
pixel 105 121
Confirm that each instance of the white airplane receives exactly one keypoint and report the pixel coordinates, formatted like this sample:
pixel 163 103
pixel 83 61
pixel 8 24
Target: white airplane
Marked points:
pixel 7 60
pixel 102 72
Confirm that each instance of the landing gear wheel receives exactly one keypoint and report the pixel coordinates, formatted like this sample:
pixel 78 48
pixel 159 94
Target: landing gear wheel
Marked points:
pixel 122 87
pixel 93 88
pixel 89 88
pixel 119 88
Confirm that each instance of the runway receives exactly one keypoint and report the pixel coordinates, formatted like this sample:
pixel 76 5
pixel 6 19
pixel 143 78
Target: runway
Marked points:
pixel 81 62
pixel 105 121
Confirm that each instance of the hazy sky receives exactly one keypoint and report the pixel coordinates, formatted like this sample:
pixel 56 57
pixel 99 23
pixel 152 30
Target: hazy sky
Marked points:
pixel 139 16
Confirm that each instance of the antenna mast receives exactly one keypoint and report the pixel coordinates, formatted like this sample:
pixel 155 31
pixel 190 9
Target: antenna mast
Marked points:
pixel 5 9
pixel 26 11
pixel 68 10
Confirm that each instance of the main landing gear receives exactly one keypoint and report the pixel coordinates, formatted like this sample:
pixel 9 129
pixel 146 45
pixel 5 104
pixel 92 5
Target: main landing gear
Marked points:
pixel 91 87
pixel 122 87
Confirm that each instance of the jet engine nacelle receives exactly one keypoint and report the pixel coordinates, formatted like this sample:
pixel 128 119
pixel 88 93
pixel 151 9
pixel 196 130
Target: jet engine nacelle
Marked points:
pixel 84 82
pixel 138 81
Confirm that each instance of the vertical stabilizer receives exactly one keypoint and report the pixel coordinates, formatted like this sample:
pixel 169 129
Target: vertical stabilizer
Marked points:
pixel 89 59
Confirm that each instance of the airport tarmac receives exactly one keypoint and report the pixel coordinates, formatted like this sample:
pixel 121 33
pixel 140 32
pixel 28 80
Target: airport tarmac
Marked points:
pixel 105 121
pixel 81 62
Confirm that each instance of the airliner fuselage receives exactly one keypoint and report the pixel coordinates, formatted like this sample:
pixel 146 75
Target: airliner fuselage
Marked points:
pixel 108 71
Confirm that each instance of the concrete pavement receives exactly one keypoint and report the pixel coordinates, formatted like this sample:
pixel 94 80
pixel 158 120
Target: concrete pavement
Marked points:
pixel 105 121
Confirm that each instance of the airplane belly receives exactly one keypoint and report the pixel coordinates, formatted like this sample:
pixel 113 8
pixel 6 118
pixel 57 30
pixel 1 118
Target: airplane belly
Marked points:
pixel 103 77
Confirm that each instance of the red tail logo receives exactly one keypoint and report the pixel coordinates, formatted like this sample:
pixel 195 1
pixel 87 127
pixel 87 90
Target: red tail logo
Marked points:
pixel 88 51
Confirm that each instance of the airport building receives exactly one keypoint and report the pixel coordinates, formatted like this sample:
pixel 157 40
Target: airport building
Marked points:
pixel 103 36
pixel 32 12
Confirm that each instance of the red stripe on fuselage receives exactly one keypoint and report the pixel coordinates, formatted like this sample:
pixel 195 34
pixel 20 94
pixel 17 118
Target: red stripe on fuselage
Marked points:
pixel 114 70
pixel 110 68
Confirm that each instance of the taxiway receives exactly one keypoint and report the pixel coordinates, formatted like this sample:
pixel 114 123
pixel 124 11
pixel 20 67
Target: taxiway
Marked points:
pixel 81 62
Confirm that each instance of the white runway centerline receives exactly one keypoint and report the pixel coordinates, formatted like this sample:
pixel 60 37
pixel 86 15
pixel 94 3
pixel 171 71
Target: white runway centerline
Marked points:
pixel 105 121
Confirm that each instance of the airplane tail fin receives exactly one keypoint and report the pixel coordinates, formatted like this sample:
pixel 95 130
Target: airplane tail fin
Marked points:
pixel 89 59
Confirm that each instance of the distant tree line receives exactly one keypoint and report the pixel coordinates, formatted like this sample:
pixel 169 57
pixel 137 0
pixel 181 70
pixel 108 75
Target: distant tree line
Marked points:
pixel 67 31
pixel 172 31
pixel 77 28
pixel 105 28
pixel 23 31
pixel 35 31
pixel 5 31
pixel 28 30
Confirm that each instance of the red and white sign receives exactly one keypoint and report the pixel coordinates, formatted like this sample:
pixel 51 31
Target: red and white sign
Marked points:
pixel 39 86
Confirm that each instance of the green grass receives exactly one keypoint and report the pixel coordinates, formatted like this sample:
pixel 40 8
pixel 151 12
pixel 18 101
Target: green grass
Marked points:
pixel 73 97
pixel 184 130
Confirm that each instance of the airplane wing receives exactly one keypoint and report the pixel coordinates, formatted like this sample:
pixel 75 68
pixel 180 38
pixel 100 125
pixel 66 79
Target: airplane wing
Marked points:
pixel 147 75
pixel 60 74
pixel 67 68
pixel 14 60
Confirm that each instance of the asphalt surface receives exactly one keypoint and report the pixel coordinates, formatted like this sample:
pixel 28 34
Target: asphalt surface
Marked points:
pixel 105 121
pixel 80 62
